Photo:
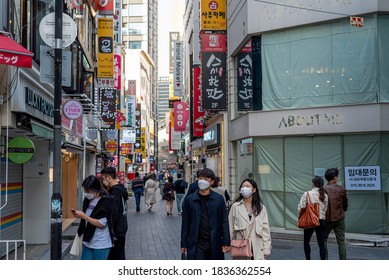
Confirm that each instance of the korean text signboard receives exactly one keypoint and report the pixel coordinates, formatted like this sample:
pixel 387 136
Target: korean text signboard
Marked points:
pixel 362 178
pixel 105 48
pixel 198 112
pixel 213 15
pixel 173 37
pixel 108 106
pixel 138 124
pixel 130 111
pixel 214 76
pixel 245 78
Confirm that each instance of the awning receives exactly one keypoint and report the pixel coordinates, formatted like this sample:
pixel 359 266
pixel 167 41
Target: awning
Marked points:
pixel 11 53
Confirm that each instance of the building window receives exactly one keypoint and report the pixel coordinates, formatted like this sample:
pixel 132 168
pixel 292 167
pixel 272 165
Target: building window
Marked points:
pixel 135 45
pixel 138 28
pixel 136 10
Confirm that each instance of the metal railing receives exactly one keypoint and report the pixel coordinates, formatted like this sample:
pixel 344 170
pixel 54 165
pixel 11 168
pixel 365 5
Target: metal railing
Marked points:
pixel 14 250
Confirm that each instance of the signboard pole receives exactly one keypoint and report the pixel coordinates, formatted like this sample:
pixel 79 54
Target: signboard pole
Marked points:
pixel 56 199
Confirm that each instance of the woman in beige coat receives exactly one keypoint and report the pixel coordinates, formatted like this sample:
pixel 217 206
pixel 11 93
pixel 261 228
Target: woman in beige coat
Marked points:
pixel 151 187
pixel 248 216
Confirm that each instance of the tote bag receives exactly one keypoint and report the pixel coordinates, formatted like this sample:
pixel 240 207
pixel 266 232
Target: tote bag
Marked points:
pixel 76 249
pixel 309 216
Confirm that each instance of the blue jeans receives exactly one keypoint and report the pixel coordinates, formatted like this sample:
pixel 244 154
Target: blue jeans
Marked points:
pixel 94 254
pixel 138 195
pixel 179 199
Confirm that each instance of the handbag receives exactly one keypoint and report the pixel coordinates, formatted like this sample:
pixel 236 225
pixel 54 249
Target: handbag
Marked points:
pixel 309 216
pixel 241 248
pixel 76 248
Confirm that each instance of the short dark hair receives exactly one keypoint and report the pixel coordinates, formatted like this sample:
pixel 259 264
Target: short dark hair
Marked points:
pixel 179 175
pixel 170 179
pixel 331 173
pixel 92 183
pixel 109 171
pixel 136 174
pixel 207 173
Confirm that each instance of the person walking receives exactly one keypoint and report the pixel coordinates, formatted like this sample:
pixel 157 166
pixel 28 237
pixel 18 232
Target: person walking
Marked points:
pixel 316 195
pixel 138 189
pixel 248 219
pixel 119 212
pixel 204 230
pixel 150 189
pixel 217 187
pixel 96 223
pixel 337 206
pixel 180 186
pixel 195 185
pixel 168 194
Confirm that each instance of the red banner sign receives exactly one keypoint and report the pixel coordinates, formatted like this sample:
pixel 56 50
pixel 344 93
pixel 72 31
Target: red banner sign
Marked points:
pixel 198 113
pixel 180 116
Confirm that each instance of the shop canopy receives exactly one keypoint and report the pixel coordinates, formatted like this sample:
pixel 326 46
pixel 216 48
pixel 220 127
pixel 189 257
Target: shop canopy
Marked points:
pixel 11 53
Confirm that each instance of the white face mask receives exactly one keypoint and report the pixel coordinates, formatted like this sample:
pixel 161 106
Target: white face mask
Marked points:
pixel 246 192
pixel 203 184
pixel 90 196
pixel 105 183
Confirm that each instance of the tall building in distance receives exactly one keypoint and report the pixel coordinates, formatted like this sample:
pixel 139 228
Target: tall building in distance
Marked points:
pixel 163 99
pixel 140 40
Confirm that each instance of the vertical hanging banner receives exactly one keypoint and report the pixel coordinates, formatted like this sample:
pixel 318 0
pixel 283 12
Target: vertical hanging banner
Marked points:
pixel 117 68
pixel 143 141
pixel 130 111
pixel 108 106
pixel 131 90
pixel 105 48
pixel 117 25
pixel 213 15
pixel 214 71
pixel 138 124
pixel 245 78
pixel 173 37
pixel 180 116
pixel 198 112
pixel 178 71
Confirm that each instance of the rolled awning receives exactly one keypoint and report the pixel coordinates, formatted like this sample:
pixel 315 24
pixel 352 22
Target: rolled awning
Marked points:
pixel 11 53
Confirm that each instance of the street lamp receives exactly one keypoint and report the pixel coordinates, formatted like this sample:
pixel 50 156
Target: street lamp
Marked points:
pixel 56 199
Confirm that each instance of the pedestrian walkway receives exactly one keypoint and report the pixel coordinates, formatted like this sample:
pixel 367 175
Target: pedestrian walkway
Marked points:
pixel 155 236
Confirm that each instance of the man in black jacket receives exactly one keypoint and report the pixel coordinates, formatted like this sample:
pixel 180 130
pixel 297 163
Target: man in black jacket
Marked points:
pixel 119 213
pixel 180 187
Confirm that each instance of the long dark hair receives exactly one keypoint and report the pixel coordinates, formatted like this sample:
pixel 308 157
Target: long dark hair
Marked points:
pixel 256 204
pixel 318 182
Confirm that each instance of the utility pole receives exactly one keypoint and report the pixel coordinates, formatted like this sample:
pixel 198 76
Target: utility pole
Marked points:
pixel 56 199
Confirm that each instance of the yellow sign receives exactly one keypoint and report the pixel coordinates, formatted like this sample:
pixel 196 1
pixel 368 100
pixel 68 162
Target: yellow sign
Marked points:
pixel 213 15
pixel 105 48
pixel 143 142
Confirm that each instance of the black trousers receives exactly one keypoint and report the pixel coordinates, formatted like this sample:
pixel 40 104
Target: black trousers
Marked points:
pixel 117 251
pixel 320 236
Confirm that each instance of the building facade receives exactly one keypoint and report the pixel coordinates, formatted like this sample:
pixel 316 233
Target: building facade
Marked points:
pixel 323 94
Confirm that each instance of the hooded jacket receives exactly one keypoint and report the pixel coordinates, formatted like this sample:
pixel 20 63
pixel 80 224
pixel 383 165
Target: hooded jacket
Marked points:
pixel 119 211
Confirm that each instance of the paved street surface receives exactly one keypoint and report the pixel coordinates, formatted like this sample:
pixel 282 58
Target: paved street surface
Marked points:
pixel 156 236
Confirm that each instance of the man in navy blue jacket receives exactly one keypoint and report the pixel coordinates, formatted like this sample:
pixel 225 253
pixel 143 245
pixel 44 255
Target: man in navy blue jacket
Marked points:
pixel 204 229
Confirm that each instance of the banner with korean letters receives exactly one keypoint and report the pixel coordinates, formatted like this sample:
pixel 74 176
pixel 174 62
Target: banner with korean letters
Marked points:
pixel 362 178
pixel 130 111
pixel 245 78
pixel 105 48
pixel 214 71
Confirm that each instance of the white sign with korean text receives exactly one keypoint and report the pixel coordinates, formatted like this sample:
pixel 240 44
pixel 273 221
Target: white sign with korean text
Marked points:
pixel 178 71
pixel 362 178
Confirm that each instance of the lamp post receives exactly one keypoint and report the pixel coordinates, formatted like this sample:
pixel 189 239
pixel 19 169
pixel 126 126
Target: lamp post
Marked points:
pixel 56 199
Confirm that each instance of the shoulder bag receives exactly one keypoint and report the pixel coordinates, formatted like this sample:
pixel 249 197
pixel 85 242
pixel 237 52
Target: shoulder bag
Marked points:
pixel 309 216
pixel 241 248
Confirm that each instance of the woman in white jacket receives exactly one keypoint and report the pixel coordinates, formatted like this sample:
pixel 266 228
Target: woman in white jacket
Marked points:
pixel 316 195
pixel 248 217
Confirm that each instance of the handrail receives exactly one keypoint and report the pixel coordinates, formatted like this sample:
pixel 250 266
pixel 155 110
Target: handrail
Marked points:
pixel 15 242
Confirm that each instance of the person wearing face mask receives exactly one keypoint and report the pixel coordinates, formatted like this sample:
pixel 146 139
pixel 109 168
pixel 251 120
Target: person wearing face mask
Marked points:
pixel 96 223
pixel 204 228
pixel 119 212
pixel 248 218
